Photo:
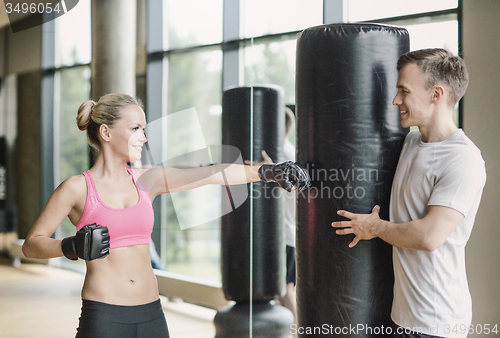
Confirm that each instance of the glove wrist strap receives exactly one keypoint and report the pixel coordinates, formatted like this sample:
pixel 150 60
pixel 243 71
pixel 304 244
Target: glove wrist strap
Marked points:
pixel 266 172
pixel 69 248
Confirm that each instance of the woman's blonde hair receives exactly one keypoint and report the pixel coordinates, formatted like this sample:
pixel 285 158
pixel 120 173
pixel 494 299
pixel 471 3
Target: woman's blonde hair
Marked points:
pixel 91 114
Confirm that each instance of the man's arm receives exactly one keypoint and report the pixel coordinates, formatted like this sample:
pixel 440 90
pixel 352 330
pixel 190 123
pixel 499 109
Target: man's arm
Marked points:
pixel 427 234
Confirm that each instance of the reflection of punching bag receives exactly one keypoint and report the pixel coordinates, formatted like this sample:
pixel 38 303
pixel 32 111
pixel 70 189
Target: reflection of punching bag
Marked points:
pixel 268 134
pixel 349 137
pixel 268 246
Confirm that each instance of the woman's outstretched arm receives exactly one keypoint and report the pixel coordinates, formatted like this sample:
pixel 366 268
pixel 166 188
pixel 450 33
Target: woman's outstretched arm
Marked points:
pixel 160 180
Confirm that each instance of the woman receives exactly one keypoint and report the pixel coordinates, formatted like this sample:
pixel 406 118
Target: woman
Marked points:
pixel 111 209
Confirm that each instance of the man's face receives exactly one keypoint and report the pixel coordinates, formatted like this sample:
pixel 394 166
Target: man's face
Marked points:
pixel 413 99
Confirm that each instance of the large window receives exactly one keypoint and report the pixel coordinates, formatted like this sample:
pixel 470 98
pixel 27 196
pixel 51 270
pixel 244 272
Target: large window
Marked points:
pixel 72 151
pixel 73 36
pixel 193 80
pixel 190 23
pixel 66 45
pixel 71 59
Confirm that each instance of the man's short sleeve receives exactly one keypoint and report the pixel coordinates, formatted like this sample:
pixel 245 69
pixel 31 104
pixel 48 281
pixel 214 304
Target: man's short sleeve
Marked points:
pixel 459 182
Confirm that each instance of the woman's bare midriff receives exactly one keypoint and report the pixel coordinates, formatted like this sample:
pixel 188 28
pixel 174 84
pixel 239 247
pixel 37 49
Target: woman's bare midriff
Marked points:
pixel 124 277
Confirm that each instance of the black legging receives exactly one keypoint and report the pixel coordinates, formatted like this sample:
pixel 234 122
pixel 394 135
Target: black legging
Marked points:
pixel 101 320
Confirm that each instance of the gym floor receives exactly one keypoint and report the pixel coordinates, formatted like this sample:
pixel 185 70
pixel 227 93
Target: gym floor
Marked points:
pixel 43 301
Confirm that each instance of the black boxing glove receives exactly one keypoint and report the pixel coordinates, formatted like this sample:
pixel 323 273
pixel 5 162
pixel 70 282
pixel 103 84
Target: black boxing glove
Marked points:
pixel 90 242
pixel 287 174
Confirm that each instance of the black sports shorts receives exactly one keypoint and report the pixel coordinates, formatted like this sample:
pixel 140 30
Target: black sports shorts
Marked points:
pixel 101 320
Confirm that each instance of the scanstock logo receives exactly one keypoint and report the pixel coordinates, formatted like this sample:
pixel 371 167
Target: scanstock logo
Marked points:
pixel 202 204
pixel 42 12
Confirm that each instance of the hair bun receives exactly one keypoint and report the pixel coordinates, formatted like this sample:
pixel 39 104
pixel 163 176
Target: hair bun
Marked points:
pixel 83 118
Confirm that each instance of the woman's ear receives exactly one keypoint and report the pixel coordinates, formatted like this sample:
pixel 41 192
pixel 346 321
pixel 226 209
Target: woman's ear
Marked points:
pixel 105 132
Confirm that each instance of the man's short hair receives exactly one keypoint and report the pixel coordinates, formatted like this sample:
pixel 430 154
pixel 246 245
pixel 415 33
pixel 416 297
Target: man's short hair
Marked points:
pixel 439 66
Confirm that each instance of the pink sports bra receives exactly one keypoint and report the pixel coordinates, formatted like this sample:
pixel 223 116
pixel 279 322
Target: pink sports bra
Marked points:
pixel 128 226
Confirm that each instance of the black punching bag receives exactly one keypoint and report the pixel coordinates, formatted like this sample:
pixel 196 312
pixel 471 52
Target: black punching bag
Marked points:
pixel 267 261
pixel 349 138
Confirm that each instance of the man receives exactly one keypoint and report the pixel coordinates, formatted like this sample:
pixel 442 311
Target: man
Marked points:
pixel 435 195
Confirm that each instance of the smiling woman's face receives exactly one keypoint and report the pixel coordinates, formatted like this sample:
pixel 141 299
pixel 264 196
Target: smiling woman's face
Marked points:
pixel 127 135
